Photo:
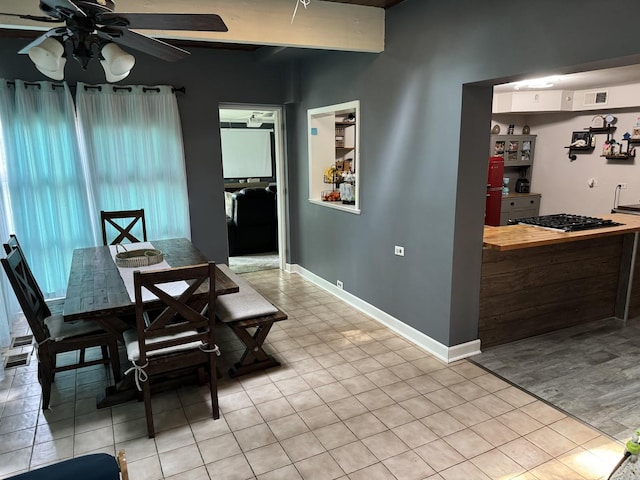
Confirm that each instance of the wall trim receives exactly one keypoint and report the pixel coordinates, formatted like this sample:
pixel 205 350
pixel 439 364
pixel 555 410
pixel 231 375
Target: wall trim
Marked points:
pixel 437 349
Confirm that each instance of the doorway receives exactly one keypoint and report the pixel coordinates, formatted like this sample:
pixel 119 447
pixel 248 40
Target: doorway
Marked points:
pixel 545 365
pixel 253 161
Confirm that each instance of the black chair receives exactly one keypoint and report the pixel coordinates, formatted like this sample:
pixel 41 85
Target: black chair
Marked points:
pixel 178 337
pixel 253 227
pixel 96 466
pixel 52 334
pixel 122 232
pixel 56 306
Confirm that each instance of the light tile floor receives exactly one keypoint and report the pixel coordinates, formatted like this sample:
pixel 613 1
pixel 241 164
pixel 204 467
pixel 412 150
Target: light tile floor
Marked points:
pixel 352 400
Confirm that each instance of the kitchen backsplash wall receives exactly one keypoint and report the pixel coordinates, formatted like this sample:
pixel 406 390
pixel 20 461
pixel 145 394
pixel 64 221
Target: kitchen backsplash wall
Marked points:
pixel 564 183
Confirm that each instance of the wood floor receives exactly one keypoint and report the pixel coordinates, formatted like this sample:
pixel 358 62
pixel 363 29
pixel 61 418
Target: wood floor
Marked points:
pixel 590 371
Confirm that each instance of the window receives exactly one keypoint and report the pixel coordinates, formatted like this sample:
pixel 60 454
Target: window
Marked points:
pixel 334 163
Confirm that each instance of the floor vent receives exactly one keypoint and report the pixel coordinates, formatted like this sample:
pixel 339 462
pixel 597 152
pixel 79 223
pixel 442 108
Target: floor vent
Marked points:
pixel 22 341
pixel 17 360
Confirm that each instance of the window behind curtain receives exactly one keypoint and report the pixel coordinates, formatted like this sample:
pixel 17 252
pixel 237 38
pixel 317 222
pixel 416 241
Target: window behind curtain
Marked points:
pixel 57 176
pixel 133 146
pixel 47 205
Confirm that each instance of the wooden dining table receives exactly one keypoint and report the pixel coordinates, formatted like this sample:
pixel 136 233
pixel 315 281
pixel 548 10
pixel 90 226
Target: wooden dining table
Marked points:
pixel 97 291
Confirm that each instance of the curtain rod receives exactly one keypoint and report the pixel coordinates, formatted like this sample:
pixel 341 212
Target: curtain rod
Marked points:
pixel 98 87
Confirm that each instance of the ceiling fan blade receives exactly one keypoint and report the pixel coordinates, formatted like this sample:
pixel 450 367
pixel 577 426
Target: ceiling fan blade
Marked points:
pixel 142 43
pixel 32 17
pixel 61 6
pixel 205 22
pixel 51 33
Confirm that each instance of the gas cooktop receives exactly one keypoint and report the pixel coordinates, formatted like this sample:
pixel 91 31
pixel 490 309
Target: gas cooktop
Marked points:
pixel 565 222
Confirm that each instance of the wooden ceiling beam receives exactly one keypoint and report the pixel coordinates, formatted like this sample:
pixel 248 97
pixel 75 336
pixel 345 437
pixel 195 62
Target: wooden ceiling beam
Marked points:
pixel 322 25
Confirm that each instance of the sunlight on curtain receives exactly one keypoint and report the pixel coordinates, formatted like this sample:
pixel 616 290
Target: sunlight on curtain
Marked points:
pixel 133 147
pixel 48 200
pixel 8 303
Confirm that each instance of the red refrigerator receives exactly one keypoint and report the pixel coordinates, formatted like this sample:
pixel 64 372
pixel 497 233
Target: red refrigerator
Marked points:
pixel 494 191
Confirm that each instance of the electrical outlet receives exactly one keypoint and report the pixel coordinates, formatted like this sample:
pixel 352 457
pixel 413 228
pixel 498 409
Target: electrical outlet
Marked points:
pixel 339 284
pixel 399 251
pixel 623 186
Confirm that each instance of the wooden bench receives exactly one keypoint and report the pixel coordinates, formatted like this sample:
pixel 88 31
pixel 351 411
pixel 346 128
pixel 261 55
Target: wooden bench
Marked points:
pixel 246 310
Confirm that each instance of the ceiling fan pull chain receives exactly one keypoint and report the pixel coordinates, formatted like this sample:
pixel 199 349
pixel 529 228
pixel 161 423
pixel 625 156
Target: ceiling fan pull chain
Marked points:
pixel 306 3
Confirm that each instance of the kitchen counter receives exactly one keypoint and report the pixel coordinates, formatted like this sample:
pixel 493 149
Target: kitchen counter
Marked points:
pixel 512 237
pixel 514 194
pixel 536 280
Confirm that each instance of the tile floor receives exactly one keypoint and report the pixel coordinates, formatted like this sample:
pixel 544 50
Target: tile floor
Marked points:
pixel 352 400
pixel 589 370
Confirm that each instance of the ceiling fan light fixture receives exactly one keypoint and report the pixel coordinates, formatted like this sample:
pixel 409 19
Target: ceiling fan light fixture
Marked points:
pixel 110 77
pixel 116 62
pixel 54 74
pixel 48 55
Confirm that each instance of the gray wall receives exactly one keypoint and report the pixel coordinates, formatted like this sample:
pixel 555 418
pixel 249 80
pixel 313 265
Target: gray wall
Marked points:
pixel 210 77
pixel 424 137
pixel 425 134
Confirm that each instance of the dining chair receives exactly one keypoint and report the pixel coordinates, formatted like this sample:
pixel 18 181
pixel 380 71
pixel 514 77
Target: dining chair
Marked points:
pixel 175 334
pixel 52 334
pixel 122 232
pixel 57 305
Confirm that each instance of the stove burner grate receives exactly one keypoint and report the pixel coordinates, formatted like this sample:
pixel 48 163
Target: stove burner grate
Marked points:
pixel 565 222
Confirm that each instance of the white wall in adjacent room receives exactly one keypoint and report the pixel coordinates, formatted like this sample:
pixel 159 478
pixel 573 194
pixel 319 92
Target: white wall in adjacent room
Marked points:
pixel 564 183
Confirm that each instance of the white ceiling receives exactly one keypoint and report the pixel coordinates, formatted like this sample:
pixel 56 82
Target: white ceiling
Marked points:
pixel 588 80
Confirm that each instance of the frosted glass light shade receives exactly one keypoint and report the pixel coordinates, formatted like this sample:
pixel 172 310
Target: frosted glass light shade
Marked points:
pixel 117 63
pixel 47 55
pixel 54 74
pixel 110 77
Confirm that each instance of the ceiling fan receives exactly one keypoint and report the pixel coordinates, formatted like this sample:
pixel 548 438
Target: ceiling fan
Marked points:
pixel 92 29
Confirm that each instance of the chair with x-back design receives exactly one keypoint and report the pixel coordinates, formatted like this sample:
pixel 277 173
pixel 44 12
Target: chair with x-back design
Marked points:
pixel 57 305
pixel 52 334
pixel 121 231
pixel 173 334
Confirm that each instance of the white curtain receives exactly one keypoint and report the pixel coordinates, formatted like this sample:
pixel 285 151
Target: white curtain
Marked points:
pixel 135 159
pixel 8 303
pixel 118 149
pixel 44 200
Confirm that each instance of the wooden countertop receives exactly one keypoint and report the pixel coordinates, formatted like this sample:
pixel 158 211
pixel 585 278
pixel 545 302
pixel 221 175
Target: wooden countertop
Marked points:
pixel 512 237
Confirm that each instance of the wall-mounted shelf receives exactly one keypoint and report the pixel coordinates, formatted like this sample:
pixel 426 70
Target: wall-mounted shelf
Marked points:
pixel 581 141
pixel 572 156
pixel 630 153
pixel 608 130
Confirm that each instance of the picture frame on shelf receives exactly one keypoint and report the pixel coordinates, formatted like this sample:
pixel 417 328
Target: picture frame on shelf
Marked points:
pixel 580 139
pixel 597 121
pixel 635 133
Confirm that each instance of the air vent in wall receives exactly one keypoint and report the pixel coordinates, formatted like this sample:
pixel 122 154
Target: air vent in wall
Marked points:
pixel 596 98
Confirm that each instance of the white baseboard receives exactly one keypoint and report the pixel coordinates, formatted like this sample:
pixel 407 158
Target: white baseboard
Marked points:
pixel 443 352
